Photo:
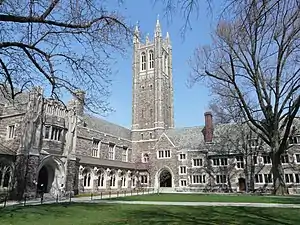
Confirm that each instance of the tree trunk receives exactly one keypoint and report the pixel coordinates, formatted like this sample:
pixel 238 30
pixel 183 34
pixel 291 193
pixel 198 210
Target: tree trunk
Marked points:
pixel 279 187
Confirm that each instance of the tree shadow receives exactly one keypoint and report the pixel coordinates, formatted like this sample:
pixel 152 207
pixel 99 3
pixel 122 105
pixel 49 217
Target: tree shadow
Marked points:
pixel 118 214
pixel 214 215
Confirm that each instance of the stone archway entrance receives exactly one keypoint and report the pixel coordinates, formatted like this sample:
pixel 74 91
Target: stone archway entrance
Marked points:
pixel 165 178
pixel 242 184
pixel 45 179
pixel 51 176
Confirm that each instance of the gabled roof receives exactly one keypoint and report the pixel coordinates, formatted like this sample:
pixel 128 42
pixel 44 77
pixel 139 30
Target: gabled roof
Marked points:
pixel 163 137
pixel 187 137
pixel 101 125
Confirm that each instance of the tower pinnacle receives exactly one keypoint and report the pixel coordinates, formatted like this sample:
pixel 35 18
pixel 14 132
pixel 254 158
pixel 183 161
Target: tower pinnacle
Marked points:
pixel 136 33
pixel 157 28
pixel 147 39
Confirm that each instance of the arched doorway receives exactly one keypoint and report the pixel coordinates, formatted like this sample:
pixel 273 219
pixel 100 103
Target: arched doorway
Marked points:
pixel 165 178
pixel 242 184
pixel 45 179
pixel 51 176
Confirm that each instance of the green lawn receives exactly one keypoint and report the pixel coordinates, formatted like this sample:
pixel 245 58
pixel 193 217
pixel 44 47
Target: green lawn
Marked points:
pixel 211 198
pixel 115 214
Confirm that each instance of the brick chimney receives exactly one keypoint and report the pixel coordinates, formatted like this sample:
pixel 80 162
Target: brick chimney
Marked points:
pixel 208 129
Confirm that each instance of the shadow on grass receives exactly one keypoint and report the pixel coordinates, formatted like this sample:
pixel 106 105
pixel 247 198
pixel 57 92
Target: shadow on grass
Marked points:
pixel 118 214
pixel 215 215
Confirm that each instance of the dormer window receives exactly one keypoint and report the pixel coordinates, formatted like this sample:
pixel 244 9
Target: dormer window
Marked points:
pixel 111 151
pixel 96 148
pixel 143 59
pixel 151 60
pixel 125 154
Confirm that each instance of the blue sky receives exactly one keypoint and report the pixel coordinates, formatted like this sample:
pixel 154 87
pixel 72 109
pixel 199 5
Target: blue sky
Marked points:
pixel 189 103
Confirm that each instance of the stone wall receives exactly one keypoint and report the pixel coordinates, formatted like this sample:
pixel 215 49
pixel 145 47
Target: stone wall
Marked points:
pixel 72 176
pixel 85 138
pixel 25 176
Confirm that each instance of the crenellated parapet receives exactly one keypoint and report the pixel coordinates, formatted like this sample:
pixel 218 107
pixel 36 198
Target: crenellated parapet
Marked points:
pixel 54 108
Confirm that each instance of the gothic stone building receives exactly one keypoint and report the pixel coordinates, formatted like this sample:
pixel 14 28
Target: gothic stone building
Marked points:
pixel 45 147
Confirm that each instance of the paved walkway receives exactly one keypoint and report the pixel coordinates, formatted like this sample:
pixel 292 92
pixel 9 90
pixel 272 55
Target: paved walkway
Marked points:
pixel 236 204
pixel 99 200
pixel 86 199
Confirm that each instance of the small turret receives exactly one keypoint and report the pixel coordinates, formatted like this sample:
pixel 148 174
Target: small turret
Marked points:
pixel 147 39
pixel 136 35
pixel 168 38
pixel 157 28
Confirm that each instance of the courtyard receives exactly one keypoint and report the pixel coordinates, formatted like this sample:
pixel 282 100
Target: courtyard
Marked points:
pixel 85 213
pixel 108 212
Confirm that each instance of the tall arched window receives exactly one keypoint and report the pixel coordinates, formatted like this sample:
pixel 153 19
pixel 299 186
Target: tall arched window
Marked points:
pixel 151 59
pixel 86 178
pixel 112 179
pixel 133 181
pixel 100 180
pixel 123 180
pixel 5 176
pixel 143 58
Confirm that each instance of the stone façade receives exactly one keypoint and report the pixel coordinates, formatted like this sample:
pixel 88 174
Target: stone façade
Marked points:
pixel 83 153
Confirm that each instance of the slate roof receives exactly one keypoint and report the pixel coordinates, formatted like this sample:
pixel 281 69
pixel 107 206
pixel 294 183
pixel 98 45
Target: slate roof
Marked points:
pixel 6 151
pixel 102 125
pixel 187 137
pixel 193 138
pixel 105 162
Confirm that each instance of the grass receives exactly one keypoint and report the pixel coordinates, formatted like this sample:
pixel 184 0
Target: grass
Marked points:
pixel 95 214
pixel 212 198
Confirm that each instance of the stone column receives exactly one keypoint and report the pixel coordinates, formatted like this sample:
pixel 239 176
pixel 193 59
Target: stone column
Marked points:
pixel 25 177
pixel 72 176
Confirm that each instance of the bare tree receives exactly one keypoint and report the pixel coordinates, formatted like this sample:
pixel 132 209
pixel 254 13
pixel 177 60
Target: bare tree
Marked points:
pixel 62 46
pixel 187 9
pixel 254 62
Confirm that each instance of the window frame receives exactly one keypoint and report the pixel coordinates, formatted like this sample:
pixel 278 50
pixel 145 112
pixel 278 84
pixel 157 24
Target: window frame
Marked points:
pixel 196 160
pixel 164 154
pixel 183 180
pixel 151 59
pixel 96 149
pixel 182 171
pixel 240 162
pixel 201 179
pixel 11 131
pixel 180 158
pixel 143 61
pixel 112 151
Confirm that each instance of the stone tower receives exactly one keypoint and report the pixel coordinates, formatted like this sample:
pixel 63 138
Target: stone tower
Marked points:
pixel 152 100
